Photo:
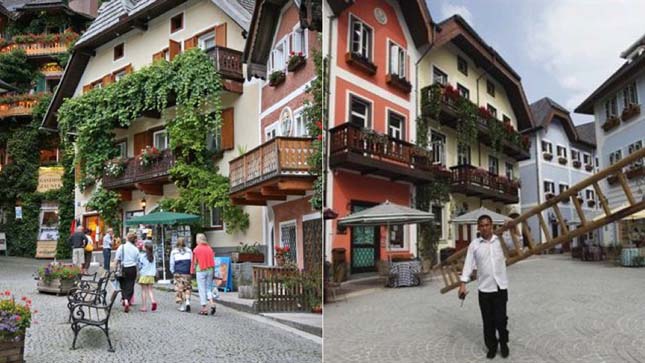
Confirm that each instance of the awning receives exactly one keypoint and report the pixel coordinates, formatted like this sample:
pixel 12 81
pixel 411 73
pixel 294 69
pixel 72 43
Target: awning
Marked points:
pixel 385 214
pixel 163 218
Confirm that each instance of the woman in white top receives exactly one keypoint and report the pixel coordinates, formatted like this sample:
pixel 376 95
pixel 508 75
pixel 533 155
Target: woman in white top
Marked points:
pixel 128 255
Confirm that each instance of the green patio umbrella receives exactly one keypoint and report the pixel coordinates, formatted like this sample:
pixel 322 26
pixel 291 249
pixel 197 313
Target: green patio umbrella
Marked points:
pixel 163 218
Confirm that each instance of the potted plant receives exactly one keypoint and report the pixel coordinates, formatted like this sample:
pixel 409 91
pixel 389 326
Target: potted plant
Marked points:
pixel 15 318
pixel 296 61
pixel 276 78
pixel 562 160
pixel 149 155
pixel 249 253
pixel 399 82
pixel 115 167
pixel 612 122
pixel 577 164
pixel 359 61
pixel 547 156
pixel 588 167
pixel 630 111
pixel 282 254
pixel 57 278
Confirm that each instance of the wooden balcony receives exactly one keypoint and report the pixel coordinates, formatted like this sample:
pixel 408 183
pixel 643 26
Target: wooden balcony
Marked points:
pixel 448 116
pixel 272 171
pixel 18 105
pixel 41 45
pixel 228 63
pixel 149 179
pixel 368 152
pixel 475 182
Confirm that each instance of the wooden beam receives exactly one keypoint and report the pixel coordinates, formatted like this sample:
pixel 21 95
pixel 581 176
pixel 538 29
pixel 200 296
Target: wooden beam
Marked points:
pixel 602 199
pixel 152 189
pixel 272 191
pixel 581 214
pixel 563 225
pixel 260 196
pixel 544 227
pixel 526 231
pixel 242 201
pixel 626 189
pixel 295 185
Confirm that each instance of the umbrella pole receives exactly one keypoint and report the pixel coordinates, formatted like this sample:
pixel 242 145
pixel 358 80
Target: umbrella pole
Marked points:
pixel 163 256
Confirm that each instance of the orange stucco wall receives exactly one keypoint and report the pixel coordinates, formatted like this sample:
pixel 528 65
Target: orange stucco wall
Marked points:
pixel 289 211
pixel 350 187
pixel 382 34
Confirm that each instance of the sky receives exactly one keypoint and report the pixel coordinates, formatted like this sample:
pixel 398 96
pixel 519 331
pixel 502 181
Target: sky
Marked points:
pixel 562 49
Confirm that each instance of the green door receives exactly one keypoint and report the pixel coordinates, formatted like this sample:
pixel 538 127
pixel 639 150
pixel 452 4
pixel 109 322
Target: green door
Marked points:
pixel 364 244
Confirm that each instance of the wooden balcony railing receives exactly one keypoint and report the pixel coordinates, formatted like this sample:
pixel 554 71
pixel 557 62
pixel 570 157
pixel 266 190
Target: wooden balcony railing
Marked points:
pixel 134 172
pixel 228 62
pixel 356 147
pixel 18 105
pixel 39 45
pixel 473 181
pixel 281 156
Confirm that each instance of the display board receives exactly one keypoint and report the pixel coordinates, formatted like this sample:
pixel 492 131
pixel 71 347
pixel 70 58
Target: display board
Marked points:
pixel 223 273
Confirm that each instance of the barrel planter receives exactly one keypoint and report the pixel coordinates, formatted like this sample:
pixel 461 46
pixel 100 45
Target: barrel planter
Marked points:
pixel 55 286
pixel 627 256
pixel 12 350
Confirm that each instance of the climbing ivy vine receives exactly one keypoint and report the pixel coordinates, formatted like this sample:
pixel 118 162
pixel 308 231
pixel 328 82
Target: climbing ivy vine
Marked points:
pixel 191 83
pixel 315 117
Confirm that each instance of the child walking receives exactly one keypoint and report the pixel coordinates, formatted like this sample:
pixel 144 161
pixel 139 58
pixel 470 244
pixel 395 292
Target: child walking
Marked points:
pixel 147 273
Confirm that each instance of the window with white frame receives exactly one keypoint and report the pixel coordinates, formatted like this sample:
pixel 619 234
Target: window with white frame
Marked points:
pixel 463 91
pixel 395 237
pixel 438 76
pixel 299 124
pixel 278 57
pixel 119 75
pixel 563 187
pixel 360 112
pixel 493 165
pixel 509 171
pixel 590 195
pixel 615 156
pixel 492 110
pixel 206 41
pixel 586 158
pixel 214 140
pixel 122 146
pixel 160 139
pixel 288 238
pixel 463 154
pixel 547 147
pixel 575 155
pixel 397 60
pixel 437 147
pixel 272 131
pixel 562 151
pixel 215 219
pixel 361 38
pixel 395 125
pixel 632 148
pixel 549 187
pixel 299 42
pixel 611 107
pixel 629 95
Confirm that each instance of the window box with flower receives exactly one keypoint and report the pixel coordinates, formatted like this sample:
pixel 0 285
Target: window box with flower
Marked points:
pixel 562 160
pixel 611 123
pixel 57 278
pixel 116 167
pixel 149 155
pixel 276 78
pixel 296 61
pixel 15 319
pixel 282 254
pixel 630 111
pixel 547 156
pixel 635 170
pixel 399 82
pixel 248 253
pixel 361 62
pixel 589 167
pixel 577 164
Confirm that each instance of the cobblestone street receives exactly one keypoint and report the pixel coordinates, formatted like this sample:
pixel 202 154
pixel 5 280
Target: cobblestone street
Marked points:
pixel 163 336
pixel 559 311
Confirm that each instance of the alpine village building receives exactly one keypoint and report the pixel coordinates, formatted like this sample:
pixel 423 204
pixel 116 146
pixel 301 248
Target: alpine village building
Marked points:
pixel 35 38
pixel 616 106
pixel 386 58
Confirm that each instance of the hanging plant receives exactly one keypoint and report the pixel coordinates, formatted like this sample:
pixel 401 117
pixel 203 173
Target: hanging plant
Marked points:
pixel 467 116
pixel 497 134
pixel 316 119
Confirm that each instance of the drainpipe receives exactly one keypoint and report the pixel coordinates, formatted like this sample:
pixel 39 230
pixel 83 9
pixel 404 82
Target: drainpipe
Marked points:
pixel 325 125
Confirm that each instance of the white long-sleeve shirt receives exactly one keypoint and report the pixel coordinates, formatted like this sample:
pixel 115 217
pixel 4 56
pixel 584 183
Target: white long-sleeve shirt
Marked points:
pixel 490 261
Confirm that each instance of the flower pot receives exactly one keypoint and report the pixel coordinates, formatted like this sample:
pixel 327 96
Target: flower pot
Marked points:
pixel 588 167
pixel 296 62
pixel 562 160
pixel 547 156
pixel 577 164
pixel 276 78
pixel 611 123
pixel 631 111
pixel 12 350
pixel 398 82
pixel 55 286
pixel 250 257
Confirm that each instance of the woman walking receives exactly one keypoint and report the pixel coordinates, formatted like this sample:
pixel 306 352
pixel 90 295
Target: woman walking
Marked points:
pixel 128 255
pixel 203 264
pixel 180 259
pixel 147 273
pixel 89 248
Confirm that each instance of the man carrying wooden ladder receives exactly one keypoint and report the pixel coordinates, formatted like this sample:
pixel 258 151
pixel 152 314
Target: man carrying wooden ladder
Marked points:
pixel 485 253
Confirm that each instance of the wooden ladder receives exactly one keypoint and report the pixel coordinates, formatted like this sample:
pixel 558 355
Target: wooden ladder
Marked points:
pixel 451 268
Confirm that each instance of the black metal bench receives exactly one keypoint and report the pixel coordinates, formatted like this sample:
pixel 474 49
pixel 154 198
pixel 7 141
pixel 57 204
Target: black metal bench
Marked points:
pixel 88 291
pixel 89 314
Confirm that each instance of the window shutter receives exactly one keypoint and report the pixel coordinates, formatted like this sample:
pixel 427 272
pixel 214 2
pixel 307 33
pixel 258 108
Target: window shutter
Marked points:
pixel 228 136
pixel 106 80
pixel 157 56
pixel 87 88
pixel 220 35
pixel 190 43
pixel 128 69
pixel 174 48
pixel 140 141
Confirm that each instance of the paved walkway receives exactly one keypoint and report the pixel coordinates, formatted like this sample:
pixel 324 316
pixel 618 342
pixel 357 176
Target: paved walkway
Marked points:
pixel 163 336
pixel 559 311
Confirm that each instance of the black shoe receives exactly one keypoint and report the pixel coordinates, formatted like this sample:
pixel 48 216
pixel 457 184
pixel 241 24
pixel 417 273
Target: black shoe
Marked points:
pixel 491 353
pixel 187 308
pixel 504 350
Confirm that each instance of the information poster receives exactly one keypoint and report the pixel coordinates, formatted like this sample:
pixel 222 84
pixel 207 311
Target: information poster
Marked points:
pixel 223 273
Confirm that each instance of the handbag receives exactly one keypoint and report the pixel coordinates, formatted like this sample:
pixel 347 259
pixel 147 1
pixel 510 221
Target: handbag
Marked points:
pixel 118 270
pixel 89 247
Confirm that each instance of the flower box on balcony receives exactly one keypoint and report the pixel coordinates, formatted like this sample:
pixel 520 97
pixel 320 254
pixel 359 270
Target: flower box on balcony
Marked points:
pixel 630 111
pixel 588 167
pixel 276 78
pixel 398 82
pixel 577 164
pixel 360 62
pixel 547 156
pixel 549 196
pixel 591 203
pixel 635 171
pixel 296 61
pixel 562 160
pixel 611 123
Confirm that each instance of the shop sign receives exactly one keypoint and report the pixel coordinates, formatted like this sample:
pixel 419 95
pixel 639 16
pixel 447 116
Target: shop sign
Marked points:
pixel 50 178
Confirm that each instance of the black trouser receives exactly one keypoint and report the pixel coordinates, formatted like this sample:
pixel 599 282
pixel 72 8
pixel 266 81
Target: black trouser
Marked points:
pixel 493 308
pixel 127 282
pixel 107 254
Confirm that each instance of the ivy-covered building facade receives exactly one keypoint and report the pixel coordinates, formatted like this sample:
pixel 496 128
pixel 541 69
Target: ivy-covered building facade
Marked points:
pixel 35 193
pixel 283 50
pixel 157 101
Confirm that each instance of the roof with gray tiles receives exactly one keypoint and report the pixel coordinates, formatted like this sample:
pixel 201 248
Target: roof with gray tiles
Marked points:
pixel 587 132
pixel 111 11
pixel 542 108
